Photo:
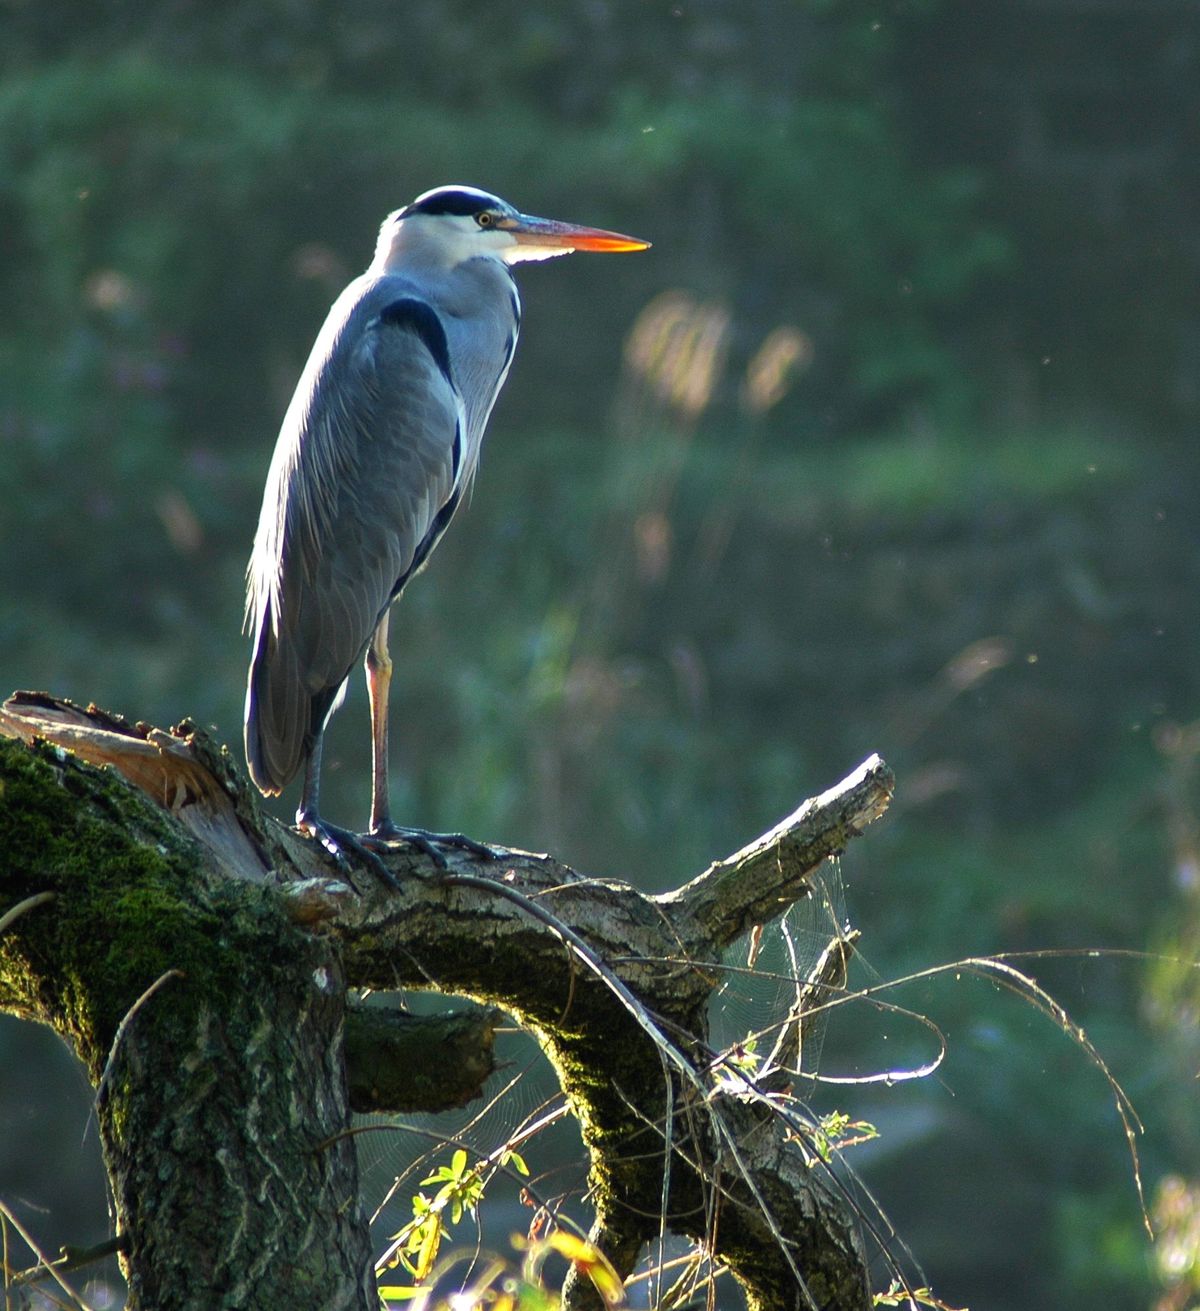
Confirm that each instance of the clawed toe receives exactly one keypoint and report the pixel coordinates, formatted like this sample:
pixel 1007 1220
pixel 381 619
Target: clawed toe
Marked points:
pixel 464 843
pixel 385 834
pixel 429 842
pixel 338 841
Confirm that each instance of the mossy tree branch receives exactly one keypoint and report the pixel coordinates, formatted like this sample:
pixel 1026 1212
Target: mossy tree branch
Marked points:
pixel 223 1082
pixel 615 983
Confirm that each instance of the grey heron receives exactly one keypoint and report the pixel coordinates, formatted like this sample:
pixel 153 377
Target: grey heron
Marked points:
pixel 378 448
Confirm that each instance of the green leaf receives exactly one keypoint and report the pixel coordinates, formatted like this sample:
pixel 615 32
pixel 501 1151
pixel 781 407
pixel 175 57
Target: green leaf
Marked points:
pixel 517 1161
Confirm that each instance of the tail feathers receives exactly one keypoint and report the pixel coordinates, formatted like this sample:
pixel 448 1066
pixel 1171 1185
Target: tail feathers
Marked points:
pixel 279 715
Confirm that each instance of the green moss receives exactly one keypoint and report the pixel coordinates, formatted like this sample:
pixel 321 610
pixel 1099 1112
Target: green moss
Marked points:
pixel 130 903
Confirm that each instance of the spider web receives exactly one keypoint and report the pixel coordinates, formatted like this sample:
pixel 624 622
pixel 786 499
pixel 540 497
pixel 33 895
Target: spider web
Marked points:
pixel 762 982
pixel 395 1152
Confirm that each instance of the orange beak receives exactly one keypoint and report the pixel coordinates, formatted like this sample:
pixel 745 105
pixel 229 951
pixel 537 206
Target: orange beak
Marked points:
pixel 552 234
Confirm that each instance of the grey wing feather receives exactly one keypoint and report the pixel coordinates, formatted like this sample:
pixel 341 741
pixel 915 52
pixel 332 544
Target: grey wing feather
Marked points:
pixel 366 462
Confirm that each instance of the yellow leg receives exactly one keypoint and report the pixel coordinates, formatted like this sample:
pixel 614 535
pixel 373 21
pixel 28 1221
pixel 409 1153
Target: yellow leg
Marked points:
pixel 379 678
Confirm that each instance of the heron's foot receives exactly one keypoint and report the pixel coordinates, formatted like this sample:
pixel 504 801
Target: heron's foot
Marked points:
pixel 429 842
pixel 340 841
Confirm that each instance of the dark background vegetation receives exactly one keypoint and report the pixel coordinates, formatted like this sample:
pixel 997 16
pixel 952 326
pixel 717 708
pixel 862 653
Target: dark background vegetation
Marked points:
pixel 888 444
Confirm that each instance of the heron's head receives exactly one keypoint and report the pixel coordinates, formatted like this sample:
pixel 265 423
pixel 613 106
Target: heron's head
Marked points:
pixel 451 224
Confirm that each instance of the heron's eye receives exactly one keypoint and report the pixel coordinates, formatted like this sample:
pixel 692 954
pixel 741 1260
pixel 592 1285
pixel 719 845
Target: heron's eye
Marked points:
pixel 484 219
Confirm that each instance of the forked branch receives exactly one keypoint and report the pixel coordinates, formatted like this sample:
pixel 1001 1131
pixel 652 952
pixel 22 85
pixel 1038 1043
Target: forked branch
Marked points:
pixel 615 983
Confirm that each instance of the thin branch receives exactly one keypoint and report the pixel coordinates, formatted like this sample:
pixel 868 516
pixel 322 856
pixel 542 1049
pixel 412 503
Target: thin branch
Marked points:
pixel 74 1258
pixel 762 880
pixel 43 1259
pixel 536 1118
pixel 14 913
pixel 127 1019
pixel 796 1032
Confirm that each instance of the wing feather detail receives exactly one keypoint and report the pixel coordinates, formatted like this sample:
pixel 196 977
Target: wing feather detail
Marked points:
pixel 366 465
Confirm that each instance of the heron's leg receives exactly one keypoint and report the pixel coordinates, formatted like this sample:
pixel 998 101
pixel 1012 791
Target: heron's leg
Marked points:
pixel 310 793
pixel 336 841
pixel 379 680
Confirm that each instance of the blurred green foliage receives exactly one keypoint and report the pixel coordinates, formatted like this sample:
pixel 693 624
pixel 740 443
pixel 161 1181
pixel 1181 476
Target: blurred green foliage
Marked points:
pixel 658 627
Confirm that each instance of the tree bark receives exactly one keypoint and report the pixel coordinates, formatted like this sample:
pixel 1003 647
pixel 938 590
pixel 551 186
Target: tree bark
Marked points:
pixel 197 954
pixel 217 1090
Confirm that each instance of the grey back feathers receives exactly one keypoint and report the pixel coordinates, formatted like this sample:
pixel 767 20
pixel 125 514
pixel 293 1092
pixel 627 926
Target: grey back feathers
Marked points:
pixel 378 447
